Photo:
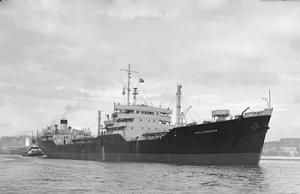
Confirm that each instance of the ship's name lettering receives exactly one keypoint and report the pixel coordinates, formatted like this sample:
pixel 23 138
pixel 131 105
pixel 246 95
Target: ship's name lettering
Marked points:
pixel 206 131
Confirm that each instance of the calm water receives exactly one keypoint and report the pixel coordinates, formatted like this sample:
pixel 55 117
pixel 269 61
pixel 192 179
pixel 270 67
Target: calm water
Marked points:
pixel 38 175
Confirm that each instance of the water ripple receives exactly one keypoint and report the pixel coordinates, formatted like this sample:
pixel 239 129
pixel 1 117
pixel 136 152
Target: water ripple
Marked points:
pixel 39 175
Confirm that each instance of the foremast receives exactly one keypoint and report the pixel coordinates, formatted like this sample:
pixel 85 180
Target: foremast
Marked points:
pixel 129 72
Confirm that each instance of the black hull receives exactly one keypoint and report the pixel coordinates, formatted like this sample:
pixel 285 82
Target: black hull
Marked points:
pixel 236 141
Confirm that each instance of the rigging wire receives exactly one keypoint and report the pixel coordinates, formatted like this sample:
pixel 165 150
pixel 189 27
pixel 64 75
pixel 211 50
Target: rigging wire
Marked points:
pixel 198 116
pixel 172 100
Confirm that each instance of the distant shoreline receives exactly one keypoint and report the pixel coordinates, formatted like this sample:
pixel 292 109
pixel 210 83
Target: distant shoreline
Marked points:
pixel 279 158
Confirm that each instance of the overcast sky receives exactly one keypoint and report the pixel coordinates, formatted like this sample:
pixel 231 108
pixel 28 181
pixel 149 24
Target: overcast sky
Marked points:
pixel 61 58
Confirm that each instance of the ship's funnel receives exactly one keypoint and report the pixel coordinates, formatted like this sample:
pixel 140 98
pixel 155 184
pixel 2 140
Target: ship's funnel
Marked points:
pixel 63 124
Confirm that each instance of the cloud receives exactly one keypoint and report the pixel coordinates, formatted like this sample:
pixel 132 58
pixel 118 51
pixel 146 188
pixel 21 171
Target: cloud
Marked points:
pixel 297 98
pixel 69 110
pixel 132 10
pixel 69 55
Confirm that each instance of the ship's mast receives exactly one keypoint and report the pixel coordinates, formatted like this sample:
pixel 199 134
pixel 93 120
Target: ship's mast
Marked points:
pixel 36 140
pixel 128 82
pixel 31 138
pixel 269 98
pixel 99 122
pixel 178 105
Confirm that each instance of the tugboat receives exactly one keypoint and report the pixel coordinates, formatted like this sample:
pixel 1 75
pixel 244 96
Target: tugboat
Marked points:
pixel 142 133
pixel 34 151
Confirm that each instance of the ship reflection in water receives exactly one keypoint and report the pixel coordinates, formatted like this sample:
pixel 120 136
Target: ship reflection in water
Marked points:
pixel 36 175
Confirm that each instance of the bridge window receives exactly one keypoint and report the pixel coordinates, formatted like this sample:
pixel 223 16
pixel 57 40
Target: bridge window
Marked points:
pixel 147 113
pixel 125 120
pixel 162 122
pixel 163 114
pixel 127 111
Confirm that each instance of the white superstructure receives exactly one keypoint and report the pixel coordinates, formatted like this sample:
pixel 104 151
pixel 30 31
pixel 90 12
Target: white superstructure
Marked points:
pixel 137 121
pixel 63 134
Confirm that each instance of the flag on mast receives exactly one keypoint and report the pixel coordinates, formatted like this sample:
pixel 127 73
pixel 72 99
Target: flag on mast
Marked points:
pixel 141 80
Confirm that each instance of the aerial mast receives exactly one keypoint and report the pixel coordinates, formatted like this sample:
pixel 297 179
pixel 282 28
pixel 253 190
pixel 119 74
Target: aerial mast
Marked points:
pixel 178 105
pixel 128 82
pixel 128 85
pixel 269 98
pixel 99 122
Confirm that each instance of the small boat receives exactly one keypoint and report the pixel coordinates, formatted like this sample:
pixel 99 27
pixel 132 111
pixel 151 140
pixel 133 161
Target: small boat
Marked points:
pixel 34 151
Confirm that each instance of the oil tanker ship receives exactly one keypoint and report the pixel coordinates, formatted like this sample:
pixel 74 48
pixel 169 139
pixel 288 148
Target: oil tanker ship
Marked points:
pixel 143 133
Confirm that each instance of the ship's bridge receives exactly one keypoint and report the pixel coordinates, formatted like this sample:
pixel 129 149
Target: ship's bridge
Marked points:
pixel 141 111
pixel 133 121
